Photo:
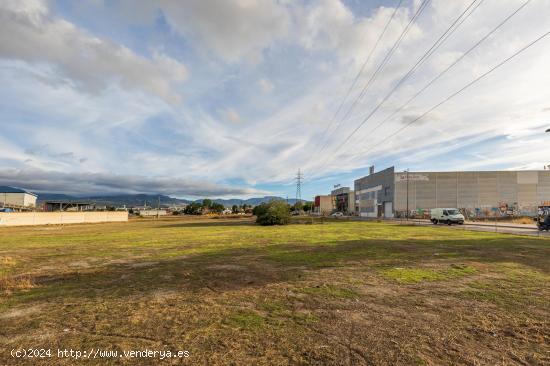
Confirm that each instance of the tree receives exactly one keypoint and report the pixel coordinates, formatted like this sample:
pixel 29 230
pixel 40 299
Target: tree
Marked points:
pixel 272 213
pixel 217 207
pixel 260 209
pixel 298 206
pixel 193 208
pixel 206 203
pixel 308 206
pixel 235 209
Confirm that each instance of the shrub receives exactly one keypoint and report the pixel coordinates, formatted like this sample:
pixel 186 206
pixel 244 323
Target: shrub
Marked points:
pixel 260 209
pixel 272 213
pixel 193 208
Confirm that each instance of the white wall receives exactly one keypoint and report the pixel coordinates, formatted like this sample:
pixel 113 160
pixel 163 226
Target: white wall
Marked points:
pixel 152 212
pixel 57 218
pixel 19 199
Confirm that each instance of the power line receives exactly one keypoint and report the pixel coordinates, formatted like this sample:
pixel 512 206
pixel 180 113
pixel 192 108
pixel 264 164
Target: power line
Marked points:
pixel 438 76
pixel 462 89
pixel 380 36
pixel 450 66
pixel 386 59
pixel 415 67
pixel 444 40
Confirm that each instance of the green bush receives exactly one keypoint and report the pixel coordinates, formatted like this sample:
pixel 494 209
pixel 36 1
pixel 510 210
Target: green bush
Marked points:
pixel 193 208
pixel 272 213
pixel 260 209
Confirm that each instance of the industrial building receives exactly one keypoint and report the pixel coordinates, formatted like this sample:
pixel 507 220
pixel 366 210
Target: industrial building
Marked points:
pixel 53 206
pixel 343 200
pixel 17 198
pixel 339 200
pixel 477 194
pixel 152 212
pixel 322 205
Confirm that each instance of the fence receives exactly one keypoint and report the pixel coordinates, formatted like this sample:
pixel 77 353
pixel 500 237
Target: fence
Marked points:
pixel 59 218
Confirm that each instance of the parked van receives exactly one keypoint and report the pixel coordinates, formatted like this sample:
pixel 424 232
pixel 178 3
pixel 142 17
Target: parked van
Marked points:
pixel 446 216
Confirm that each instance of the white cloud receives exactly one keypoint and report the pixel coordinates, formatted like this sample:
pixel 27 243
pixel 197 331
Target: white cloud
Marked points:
pixel 86 183
pixel 241 30
pixel 30 32
pixel 231 115
pixel 234 29
pixel 265 85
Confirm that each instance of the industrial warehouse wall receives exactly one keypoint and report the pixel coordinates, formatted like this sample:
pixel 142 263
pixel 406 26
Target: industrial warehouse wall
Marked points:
pixel 375 190
pixel 57 218
pixel 152 212
pixel 478 194
pixel 324 205
pixel 18 199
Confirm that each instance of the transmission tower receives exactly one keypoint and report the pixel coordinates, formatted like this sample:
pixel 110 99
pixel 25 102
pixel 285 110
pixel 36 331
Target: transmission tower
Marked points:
pixel 299 178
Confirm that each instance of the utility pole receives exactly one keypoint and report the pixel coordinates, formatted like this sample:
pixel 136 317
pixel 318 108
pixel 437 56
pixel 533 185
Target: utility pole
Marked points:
pixel 407 194
pixel 158 207
pixel 547 131
pixel 299 178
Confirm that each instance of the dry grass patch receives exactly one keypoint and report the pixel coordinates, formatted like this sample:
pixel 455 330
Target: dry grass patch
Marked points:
pixel 9 284
pixel 416 275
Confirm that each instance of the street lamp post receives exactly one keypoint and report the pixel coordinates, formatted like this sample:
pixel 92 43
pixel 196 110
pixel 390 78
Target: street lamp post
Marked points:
pixel 407 194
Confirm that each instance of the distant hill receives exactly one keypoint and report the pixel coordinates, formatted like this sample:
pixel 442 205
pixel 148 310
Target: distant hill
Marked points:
pixel 54 196
pixel 131 200
pixel 128 200
pixel 250 201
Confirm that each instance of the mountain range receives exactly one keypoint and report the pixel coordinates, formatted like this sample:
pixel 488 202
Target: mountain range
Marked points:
pixel 130 200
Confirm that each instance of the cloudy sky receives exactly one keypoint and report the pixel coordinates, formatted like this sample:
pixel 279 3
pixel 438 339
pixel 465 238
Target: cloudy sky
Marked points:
pixel 227 98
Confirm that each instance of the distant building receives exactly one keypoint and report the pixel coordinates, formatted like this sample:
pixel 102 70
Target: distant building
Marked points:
pixel 343 200
pixel 179 207
pixel 53 206
pixel 322 205
pixel 477 194
pixel 152 212
pixel 17 198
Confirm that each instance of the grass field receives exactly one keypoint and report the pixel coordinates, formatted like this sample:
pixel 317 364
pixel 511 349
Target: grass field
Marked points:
pixel 231 292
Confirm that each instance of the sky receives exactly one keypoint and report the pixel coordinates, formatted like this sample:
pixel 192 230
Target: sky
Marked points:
pixel 229 98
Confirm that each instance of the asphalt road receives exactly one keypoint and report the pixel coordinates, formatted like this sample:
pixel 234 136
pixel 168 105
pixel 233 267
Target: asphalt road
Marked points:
pixel 512 229
pixel 505 228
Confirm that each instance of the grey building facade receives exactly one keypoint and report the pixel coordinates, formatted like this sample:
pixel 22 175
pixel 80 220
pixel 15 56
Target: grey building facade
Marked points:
pixel 374 194
pixel 476 194
pixel 343 200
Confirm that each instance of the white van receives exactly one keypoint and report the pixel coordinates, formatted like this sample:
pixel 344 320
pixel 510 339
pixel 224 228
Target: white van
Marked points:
pixel 446 216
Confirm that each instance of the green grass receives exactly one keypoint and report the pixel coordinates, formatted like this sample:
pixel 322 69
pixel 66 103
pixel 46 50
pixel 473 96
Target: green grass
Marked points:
pixel 246 319
pixel 237 293
pixel 514 289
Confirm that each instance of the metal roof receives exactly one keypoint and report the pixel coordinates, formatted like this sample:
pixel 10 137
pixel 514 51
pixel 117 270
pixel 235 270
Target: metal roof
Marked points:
pixel 7 189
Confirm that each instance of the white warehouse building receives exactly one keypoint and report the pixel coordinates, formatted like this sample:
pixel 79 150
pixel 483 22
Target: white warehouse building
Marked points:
pixel 16 198
pixel 477 194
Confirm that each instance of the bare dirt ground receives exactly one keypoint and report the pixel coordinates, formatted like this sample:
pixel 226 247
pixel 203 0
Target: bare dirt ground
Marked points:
pixel 311 293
